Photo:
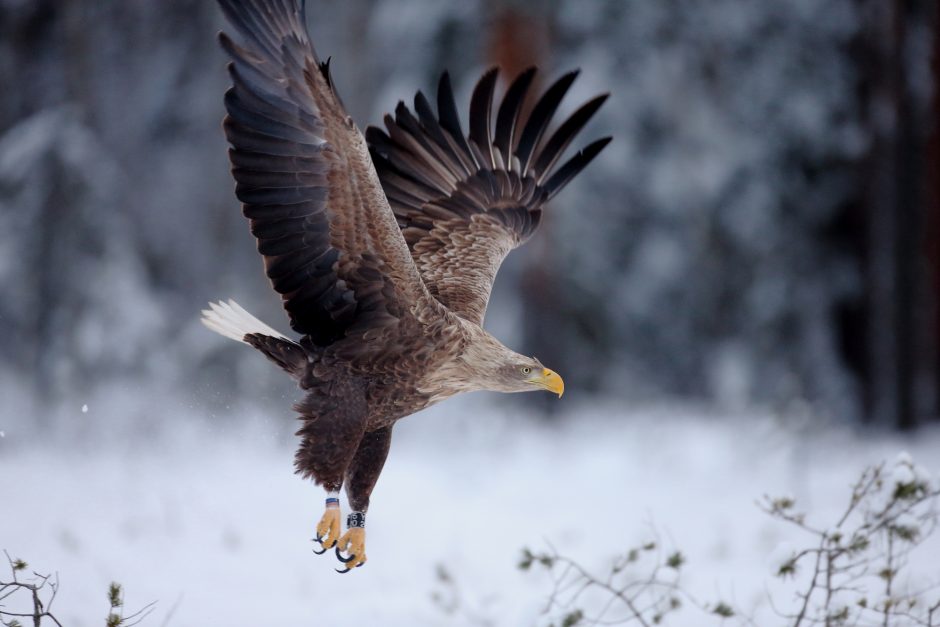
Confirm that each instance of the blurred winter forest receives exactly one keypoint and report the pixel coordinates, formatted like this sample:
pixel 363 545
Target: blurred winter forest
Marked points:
pixel 742 293
pixel 763 230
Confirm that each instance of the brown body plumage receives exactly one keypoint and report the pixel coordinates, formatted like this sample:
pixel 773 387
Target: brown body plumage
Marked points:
pixel 383 251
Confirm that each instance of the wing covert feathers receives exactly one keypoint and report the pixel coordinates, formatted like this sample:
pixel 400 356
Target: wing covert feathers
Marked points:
pixel 463 202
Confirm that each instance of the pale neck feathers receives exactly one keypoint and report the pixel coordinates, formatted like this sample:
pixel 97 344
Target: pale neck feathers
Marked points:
pixel 477 367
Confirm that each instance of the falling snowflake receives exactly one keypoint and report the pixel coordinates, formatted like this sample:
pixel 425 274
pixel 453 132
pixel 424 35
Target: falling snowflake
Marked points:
pixel 84 409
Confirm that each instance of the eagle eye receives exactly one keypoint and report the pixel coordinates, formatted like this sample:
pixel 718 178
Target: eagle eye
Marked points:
pixel 526 370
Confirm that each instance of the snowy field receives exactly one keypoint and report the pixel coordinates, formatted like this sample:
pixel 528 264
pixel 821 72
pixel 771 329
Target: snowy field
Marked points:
pixel 211 523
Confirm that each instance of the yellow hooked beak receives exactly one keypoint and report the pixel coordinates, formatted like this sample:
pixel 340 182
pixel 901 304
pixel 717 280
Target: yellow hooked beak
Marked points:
pixel 549 380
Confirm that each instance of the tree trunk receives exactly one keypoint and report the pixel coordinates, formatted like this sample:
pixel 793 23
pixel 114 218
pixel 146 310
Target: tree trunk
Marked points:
pixel 519 37
pixel 901 382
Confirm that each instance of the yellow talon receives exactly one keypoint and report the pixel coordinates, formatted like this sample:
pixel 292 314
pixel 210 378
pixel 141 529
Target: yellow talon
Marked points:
pixel 353 543
pixel 328 528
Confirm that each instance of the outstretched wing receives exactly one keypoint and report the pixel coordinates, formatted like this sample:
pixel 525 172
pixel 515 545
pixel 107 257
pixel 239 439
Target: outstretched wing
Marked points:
pixel 464 202
pixel 330 242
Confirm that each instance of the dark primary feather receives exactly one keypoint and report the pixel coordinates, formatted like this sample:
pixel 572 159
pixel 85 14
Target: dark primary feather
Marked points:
pixel 463 202
pixel 509 111
pixel 480 113
pixel 540 117
pixel 447 111
pixel 556 145
pixel 573 166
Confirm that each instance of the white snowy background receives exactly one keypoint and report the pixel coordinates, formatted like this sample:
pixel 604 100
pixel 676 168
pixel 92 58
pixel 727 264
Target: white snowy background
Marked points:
pixel 207 519
pixel 702 274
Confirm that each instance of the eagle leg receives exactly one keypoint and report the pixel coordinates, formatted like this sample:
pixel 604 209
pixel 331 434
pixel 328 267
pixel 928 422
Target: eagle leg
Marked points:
pixel 328 529
pixel 334 420
pixel 361 476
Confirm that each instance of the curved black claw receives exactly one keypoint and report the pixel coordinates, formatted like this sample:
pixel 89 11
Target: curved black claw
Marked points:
pixel 320 540
pixel 344 560
pixel 343 572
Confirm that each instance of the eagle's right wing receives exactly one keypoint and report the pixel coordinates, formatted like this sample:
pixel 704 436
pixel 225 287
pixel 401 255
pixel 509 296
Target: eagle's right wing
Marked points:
pixel 464 202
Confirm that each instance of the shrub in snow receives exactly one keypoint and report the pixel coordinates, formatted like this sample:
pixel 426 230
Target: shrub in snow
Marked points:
pixel 850 572
pixel 642 586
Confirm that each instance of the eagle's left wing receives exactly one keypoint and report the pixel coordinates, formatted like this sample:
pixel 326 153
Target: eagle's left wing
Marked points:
pixel 330 243
pixel 464 202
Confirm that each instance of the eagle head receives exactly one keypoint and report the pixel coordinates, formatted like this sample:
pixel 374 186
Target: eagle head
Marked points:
pixel 525 374
pixel 490 365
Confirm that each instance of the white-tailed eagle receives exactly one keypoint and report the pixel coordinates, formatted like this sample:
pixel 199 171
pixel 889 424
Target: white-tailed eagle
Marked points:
pixel 383 247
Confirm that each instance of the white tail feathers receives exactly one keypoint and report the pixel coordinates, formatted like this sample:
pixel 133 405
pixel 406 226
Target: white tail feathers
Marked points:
pixel 231 320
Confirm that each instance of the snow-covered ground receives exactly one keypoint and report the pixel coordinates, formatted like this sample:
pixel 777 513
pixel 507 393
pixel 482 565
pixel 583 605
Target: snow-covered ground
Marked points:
pixel 211 523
